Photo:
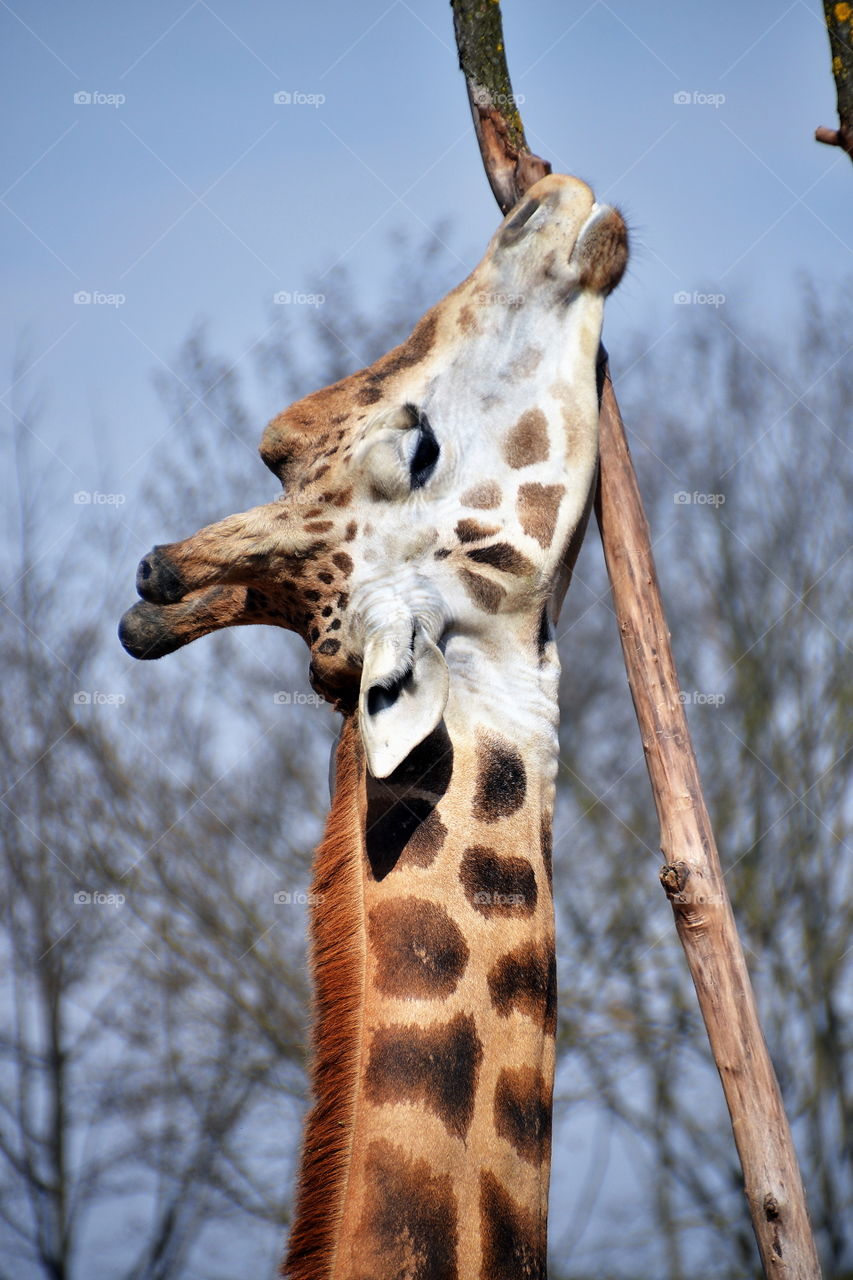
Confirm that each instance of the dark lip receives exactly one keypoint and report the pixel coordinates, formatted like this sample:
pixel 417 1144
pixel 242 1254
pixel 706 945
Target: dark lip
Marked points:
pixel 145 634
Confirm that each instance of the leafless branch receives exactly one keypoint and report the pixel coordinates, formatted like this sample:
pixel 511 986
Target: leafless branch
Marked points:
pixel 839 26
pixel 692 876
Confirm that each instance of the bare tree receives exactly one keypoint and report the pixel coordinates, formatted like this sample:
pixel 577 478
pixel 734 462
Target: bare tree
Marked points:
pixel 146 950
pixel 746 491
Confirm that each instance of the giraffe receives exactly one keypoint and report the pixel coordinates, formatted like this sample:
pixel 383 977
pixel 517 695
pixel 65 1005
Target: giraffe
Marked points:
pixel 433 506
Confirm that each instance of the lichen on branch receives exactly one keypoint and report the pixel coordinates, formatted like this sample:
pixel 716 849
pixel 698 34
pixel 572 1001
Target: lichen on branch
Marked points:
pixel 510 165
pixel 839 25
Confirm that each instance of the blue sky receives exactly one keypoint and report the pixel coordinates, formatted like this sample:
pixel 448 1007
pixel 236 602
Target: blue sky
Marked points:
pixel 195 196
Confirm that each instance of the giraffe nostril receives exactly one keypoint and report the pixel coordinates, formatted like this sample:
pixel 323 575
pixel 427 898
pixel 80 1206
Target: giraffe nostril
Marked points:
pixel 516 220
pixel 158 581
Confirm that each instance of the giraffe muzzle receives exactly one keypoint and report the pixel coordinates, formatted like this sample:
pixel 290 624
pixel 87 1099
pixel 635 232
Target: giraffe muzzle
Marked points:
pixel 152 630
pixel 158 581
pixel 601 251
pixel 145 633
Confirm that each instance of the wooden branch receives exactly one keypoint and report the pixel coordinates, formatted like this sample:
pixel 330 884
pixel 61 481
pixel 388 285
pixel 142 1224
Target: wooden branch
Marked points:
pixel 510 165
pixel 839 25
pixel 692 876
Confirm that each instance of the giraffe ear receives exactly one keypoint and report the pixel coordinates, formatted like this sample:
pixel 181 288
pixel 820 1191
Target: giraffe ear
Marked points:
pixel 402 698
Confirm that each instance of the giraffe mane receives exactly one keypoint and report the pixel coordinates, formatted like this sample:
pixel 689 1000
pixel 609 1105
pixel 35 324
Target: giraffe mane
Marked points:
pixel 337 933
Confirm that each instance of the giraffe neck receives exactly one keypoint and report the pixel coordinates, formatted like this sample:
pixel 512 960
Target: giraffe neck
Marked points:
pixel 426 1155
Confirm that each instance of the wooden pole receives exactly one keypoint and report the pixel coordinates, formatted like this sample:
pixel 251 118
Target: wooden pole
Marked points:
pixel 692 876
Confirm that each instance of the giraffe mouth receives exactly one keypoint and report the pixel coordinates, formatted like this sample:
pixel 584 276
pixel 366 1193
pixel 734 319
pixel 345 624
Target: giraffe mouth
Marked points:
pixel 168 615
pixel 238 572
pixel 151 630
pixel 145 634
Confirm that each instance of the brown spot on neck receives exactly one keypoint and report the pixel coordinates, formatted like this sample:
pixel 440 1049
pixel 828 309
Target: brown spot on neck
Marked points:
pixel 437 1067
pixel 469 530
pixel 486 595
pixel 409 1226
pixel 526 364
pixel 522 1106
pixel 503 556
pixel 513 1236
pixel 498 885
pixel 425 842
pixel 547 841
pixel 501 778
pixel 538 506
pixel 484 496
pixel 420 951
pixel 526 980
pixel 527 442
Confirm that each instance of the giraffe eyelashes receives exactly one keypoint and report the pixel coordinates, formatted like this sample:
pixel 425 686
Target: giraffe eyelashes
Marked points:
pixel 426 454
pixel 399 452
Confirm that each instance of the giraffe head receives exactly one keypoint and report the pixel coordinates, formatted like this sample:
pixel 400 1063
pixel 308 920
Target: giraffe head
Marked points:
pixel 430 501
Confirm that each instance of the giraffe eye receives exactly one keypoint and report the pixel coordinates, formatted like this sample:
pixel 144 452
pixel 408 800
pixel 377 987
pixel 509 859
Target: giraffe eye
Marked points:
pixel 426 454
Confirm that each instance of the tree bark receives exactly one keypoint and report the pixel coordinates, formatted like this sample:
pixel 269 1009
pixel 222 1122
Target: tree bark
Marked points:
pixel 510 165
pixel 839 25
pixel 692 876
